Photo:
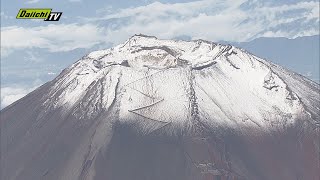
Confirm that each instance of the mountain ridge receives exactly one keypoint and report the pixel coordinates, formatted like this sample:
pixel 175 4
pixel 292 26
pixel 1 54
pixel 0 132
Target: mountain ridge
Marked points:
pixel 148 106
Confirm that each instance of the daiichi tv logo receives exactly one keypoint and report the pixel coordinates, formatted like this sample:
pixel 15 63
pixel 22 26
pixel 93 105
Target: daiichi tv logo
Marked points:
pixel 36 13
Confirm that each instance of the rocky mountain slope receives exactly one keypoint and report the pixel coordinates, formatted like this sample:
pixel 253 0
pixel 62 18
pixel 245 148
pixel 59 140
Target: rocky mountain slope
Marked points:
pixel 163 109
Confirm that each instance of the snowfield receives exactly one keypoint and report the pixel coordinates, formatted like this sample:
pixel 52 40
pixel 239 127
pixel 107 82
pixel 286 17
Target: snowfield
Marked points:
pixel 165 109
pixel 229 85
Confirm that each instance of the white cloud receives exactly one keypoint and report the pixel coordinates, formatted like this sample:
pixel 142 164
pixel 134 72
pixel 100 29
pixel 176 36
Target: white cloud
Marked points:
pixel 11 94
pixel 62 37
pixel 33 56
pixel 212 19
pixel 32 1
pixel 308 74
pixel 52 73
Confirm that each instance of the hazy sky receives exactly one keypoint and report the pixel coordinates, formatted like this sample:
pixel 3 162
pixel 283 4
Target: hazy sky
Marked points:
pixel 33 51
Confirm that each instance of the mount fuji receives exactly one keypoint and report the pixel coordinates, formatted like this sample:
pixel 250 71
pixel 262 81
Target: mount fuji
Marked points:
pixel 152 109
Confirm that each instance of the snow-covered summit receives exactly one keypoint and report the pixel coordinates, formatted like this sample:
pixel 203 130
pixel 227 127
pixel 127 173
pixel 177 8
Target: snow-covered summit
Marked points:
pixel 155 82
pixel 148 51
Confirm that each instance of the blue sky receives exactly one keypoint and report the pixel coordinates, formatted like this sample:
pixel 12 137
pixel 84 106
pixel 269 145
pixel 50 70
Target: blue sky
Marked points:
pixel 34 51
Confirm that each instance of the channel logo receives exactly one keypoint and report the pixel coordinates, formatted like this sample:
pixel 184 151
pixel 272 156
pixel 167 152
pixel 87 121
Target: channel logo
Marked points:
pixel 35 13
